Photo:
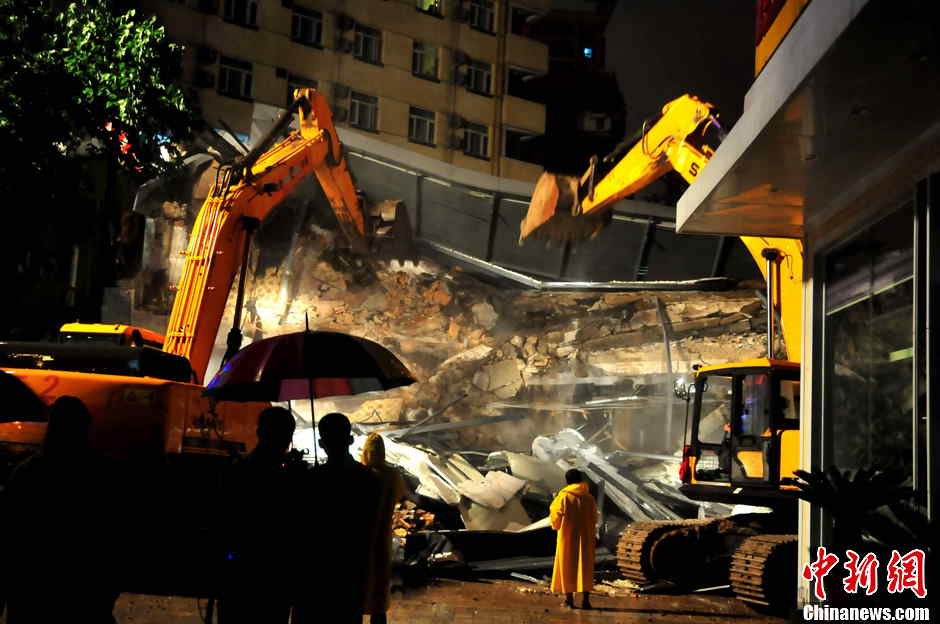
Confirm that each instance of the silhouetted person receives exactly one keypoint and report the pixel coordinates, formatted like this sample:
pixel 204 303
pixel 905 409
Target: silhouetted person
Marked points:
pixel 391 490
pixel 61 562
pixel 344 504
pixel 256 503
pixel 573 514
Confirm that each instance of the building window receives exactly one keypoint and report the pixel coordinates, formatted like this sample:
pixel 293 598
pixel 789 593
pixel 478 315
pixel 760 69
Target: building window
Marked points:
pixel 869 365
pixel 481 15
pixel 307 27
pixel 234 78
pixel 363 111
pixel 519 20
pixel 518 83
pixel 241 12
pixel 368 44
pixel 421 126
pixel 431 7
pixel 298 82
pixel 424 60
pixel 520 145
pixel 479 77
pixel 476 140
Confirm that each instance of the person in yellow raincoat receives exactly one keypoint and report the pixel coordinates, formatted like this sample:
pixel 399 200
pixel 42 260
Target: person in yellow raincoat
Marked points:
pixel 391 490
pixel 574 515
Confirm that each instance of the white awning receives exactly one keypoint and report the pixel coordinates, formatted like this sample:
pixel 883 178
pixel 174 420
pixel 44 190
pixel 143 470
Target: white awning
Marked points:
pixel 850 94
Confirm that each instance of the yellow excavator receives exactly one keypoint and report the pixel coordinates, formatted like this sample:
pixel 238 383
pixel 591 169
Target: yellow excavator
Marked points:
pixel 742 439
pixel 143 389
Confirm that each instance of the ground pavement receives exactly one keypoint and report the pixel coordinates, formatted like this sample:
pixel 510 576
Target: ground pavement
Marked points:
pixel 491 602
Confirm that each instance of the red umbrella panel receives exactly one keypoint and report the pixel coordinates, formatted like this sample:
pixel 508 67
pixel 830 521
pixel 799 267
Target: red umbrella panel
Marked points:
pixel 309 364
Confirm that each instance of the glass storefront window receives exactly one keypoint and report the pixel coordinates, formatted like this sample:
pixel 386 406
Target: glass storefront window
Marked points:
pixel 869 375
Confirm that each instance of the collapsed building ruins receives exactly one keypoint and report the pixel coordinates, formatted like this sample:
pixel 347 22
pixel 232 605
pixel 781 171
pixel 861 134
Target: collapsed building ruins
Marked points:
pixel 514 385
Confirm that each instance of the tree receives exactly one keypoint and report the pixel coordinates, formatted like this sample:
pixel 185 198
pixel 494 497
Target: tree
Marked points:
pixel 89 108
pixel 89 80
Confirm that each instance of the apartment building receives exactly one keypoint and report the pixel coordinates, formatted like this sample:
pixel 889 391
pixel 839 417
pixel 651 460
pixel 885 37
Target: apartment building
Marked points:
pixel 444 79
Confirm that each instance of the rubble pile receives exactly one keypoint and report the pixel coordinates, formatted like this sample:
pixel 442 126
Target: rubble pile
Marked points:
pixel 514 387
pixel 490 349
pixel 408 518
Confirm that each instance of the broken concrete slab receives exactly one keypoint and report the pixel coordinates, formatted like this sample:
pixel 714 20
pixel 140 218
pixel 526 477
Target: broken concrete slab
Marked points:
pixel 503 378
pixel 512 517
pixel 485 314
pixel 544 475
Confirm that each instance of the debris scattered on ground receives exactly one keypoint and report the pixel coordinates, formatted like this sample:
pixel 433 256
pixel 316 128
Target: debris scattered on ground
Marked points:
pixel 526 577
pixel 407 518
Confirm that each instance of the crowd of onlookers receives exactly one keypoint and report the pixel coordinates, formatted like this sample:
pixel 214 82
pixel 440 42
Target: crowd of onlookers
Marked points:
pixel 69 541
pixel 67 552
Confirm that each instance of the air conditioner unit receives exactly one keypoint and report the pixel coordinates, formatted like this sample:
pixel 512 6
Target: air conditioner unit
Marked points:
pixel 344 45
pixel 456 121
pixel 340 91
pixel 204 79
pixel 206 55
pixel 345 22
pixel 340 114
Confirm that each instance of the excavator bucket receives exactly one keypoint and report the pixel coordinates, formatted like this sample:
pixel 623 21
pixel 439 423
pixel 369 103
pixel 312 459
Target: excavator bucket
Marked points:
pixel 393 235
pixel 554 212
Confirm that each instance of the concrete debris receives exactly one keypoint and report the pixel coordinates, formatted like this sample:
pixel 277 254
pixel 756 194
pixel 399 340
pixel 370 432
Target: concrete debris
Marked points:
pixel 408 518
pixel 484 314
pixel 542 476
pixel 526 577
pixel 503 378
pixel 569 449
pixel 498 487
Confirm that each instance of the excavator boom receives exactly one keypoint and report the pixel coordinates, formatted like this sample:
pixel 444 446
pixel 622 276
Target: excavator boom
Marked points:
pixel 568 208
pixel 242 196
pixel 743 439
pixel 682 139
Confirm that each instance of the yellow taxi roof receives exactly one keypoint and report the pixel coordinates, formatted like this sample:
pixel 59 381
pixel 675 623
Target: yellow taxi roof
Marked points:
pixel 111 328
pixel 94 328
pixel 755 363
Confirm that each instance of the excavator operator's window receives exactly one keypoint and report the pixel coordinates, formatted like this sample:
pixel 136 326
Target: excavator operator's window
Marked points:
pixel 755 405
pixel 789 399
pixel 715 423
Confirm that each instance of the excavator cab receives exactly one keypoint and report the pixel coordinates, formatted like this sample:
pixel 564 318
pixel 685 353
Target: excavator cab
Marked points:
pixel 744 432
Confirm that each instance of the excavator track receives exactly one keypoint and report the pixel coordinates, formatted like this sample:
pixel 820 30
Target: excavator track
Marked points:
pixel 762 570
pixel 636 542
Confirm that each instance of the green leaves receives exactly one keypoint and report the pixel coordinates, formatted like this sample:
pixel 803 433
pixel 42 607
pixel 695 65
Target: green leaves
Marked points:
pixel 64 76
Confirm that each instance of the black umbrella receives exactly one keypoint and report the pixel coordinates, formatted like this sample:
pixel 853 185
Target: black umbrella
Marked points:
pixel 308 364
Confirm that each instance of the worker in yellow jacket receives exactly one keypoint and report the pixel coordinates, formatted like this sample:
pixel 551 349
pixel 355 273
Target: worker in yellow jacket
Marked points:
pixel 391 491
pixel 574 515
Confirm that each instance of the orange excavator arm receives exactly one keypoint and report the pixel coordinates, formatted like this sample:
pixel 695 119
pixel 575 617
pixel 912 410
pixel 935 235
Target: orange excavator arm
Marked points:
pixel 682 139
pixel 244 193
